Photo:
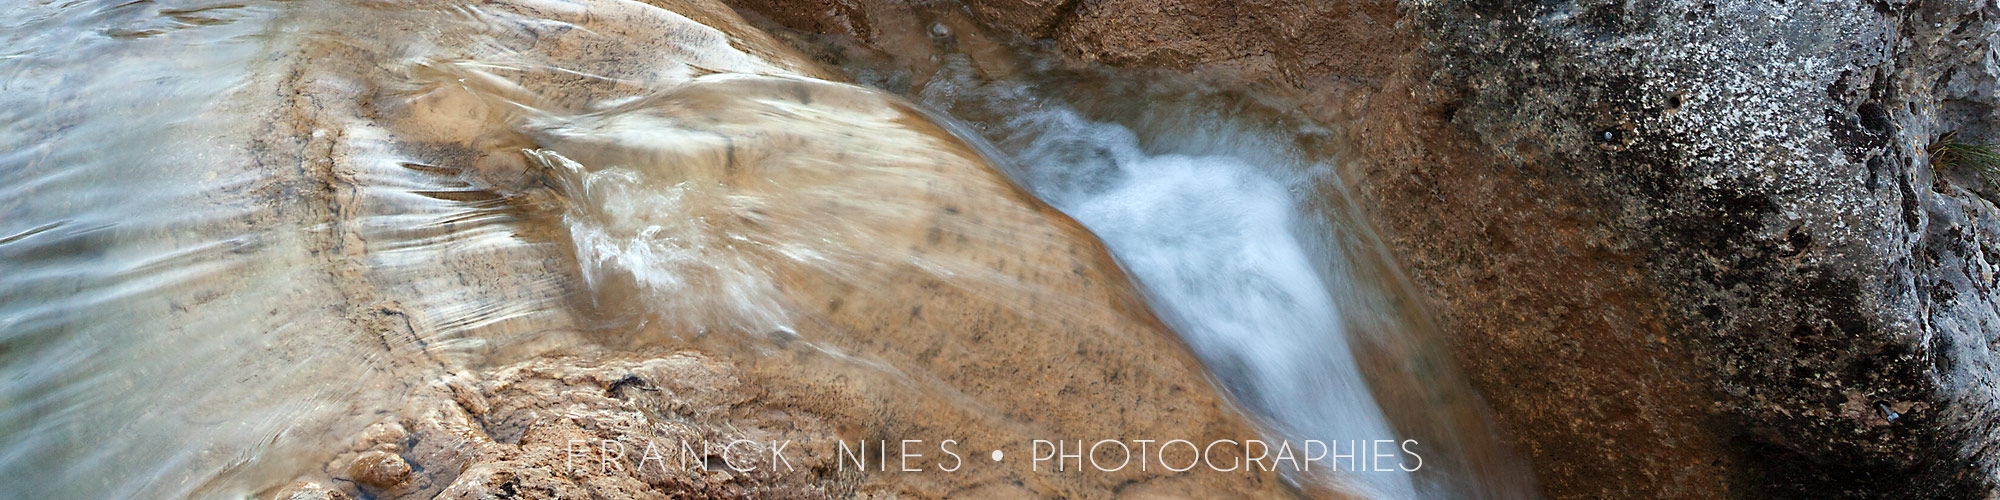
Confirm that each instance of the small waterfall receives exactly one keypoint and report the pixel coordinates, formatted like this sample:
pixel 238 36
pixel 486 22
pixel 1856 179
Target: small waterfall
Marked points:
pixel 1246 247
pixel 1215 243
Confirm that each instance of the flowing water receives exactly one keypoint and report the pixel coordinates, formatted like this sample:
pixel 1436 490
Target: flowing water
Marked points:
pixel 1241 240
pixel 1215 241
pixel 231 231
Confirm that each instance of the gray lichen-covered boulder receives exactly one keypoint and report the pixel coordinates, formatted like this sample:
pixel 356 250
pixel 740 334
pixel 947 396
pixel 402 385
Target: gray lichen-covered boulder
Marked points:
pixel 1764 169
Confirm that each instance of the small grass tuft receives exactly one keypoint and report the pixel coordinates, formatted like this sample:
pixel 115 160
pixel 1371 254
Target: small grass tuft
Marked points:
pixel 1980 160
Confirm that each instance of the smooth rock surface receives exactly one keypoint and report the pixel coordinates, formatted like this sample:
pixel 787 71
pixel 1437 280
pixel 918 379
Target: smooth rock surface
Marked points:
pixel 847 270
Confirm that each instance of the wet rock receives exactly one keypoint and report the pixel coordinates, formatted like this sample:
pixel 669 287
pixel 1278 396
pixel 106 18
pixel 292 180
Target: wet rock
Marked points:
pixel 667 425
pixel 611 428
pixel 1033 18
pixel 1290 43
pixel 308 491
pixel 821 16
pixel 379 469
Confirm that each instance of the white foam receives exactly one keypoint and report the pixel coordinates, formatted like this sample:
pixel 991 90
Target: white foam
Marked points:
pixel 1214 242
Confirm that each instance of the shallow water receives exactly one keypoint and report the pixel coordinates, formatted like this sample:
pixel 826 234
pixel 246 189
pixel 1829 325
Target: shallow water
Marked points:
pixel 230 229
pixel 215 259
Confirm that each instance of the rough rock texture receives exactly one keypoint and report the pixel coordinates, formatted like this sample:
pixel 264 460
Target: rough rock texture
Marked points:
pixel 1762 170
pixel 308 491
pixel 1686 249
pixel 582 428
pixel 657 425
pixel 820 16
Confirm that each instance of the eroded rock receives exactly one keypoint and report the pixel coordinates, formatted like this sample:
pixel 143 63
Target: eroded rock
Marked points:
pixel 592 427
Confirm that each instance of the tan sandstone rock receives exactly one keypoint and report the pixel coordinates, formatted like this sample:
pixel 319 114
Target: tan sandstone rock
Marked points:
pixel 832 266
